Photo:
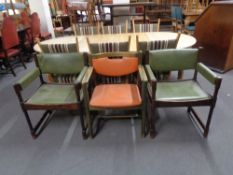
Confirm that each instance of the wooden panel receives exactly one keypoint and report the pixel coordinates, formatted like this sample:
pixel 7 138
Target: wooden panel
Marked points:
pixel 214 31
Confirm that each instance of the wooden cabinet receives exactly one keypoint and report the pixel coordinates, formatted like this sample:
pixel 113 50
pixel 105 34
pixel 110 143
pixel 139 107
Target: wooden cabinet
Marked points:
pixel 214 34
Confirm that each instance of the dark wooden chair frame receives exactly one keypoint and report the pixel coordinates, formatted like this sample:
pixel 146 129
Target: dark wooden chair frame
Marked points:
pixel 88 84
pixel 37 129
pixel 153 104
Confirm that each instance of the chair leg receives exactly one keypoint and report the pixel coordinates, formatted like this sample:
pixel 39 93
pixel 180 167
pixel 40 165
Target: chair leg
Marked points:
pixel 9 65
pixel 84 130
pixel 21 59
pixel 195 118
pixel 206 130
pixel 143 122
pixel 40 125
pixel 152 121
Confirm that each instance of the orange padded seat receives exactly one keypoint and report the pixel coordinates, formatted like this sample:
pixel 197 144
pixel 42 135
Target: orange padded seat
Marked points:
pixel 115 96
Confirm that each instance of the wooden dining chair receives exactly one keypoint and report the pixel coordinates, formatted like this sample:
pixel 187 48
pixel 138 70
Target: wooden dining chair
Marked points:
pixel 115 29
pixel 100 47
pixel 180 93
pixel 10 44
pixel 50 97
pixel 147 27
pixel 115 81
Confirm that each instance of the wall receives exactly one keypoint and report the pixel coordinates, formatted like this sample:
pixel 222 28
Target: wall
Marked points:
pixel 42 8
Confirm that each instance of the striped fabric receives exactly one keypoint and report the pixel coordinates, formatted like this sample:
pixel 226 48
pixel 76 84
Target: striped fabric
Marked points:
pixel 109 47
pixel 146 28
pixel 67 79
pixel 58 48
pixel 114 29
pixel 87 30
pixel 157 45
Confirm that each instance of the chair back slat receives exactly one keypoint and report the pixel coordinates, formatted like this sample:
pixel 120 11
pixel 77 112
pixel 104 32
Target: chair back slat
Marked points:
pixel 173 59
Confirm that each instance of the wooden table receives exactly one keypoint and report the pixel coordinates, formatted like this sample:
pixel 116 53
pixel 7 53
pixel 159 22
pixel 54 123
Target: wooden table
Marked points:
pixel 184 42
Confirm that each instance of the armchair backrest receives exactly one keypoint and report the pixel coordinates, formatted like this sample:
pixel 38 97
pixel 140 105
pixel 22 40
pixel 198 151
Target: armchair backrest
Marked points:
pixel 9 33
pixel 62 63
pixel 117 67
pixel 173 59
pixel 109 46
pixel 157 44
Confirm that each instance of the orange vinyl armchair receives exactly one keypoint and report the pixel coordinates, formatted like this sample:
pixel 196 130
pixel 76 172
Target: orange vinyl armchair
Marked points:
pixel 114 82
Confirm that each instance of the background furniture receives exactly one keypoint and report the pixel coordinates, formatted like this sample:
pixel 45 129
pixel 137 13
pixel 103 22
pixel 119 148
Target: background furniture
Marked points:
pixel 215 36
pixel 53 96
pixel 186 92
pixel 10 44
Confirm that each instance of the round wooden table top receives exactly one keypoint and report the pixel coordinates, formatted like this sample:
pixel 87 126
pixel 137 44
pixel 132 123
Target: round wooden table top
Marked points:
pixel 185 41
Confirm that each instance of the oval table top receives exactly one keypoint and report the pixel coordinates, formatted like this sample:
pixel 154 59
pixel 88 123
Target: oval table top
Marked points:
pixel 185 41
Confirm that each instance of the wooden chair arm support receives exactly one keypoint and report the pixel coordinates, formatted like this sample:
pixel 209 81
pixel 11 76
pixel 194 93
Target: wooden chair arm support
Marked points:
pixel 85 83
pixel 78 81
pixel 152 80
pixel 151 77
pixel 142 74
pixel 27 79
pixel 87 75
pixel 208 74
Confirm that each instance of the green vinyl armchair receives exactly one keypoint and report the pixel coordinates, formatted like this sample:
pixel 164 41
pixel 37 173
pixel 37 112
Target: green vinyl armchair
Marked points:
pixel 53 96
pixel 185 92
pixel 115 82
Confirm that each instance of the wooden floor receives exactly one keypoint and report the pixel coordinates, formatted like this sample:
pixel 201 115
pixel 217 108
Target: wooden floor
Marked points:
pixel 118 149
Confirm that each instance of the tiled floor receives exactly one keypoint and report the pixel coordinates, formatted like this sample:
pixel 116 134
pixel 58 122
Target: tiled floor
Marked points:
pixel 119 149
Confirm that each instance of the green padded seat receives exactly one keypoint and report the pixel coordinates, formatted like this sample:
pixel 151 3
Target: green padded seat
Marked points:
pixel 180 91
pixel 53 95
